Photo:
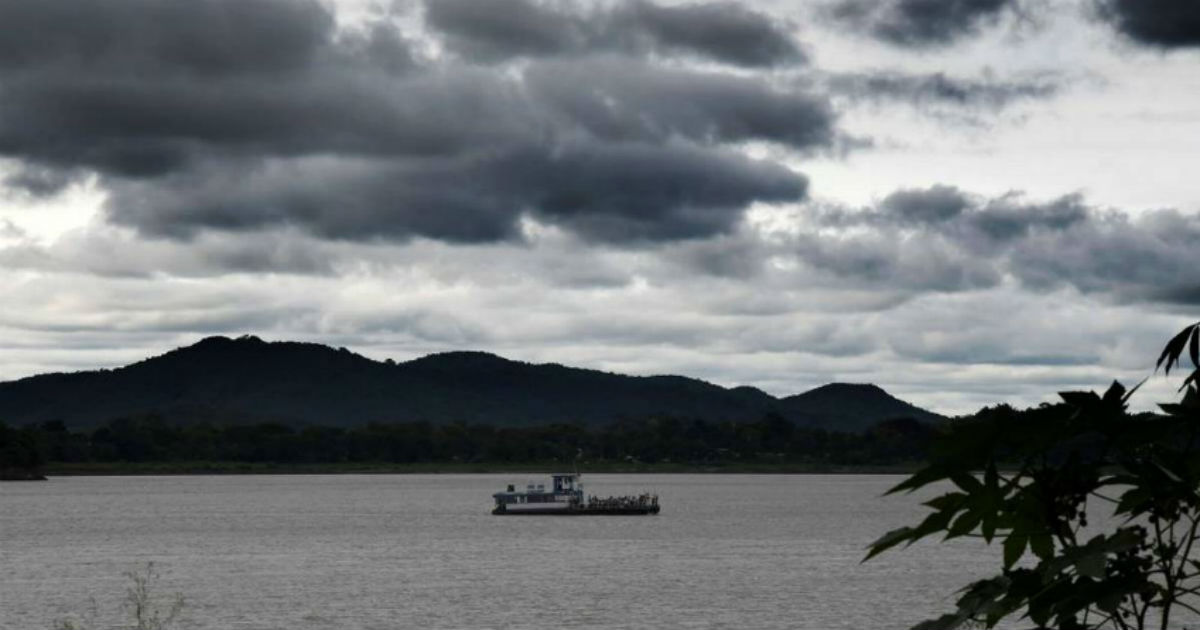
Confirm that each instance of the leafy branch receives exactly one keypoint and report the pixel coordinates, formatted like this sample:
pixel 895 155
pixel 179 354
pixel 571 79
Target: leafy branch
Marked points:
pixel 1145 468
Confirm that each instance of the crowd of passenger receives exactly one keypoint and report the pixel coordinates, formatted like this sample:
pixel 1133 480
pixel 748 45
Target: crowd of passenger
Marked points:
pixel 625 502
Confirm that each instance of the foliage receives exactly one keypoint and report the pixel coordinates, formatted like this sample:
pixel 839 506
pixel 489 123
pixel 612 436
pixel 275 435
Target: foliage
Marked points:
pixel 145 610
pixel 21 453
pixel 771 440
pixel 1135 570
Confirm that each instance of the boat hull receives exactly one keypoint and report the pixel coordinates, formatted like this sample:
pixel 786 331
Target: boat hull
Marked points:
pixel 582 511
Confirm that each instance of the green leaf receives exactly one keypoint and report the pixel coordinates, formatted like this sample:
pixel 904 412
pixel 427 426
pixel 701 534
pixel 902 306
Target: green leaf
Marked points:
pixel 1193 378
pixel 919 479
pixel 967 482
pixel 1079 399
pixel 1091 559
pixel 1092 565
pixel 1174 348
pixel 1170 475
pixel 992 503
pixel 950 500
pixel 987 525
pixel 948 621
pixel 888 540
pixel 1191 399
pixel 1042 545
pixel 935 522
pixel 1194 349
pixel 1129 394
pixel 964 524
pixel 1014 548
pixel 1115 393
pixel 1133 501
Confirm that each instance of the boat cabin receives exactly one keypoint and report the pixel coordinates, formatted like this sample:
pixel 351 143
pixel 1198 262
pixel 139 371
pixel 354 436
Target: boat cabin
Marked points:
pixel 565 490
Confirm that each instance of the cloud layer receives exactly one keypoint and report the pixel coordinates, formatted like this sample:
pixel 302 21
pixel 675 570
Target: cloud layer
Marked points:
pixel 232 116
pixel 943 239
pixel 726 32
pixel 748 192
pixel 919 23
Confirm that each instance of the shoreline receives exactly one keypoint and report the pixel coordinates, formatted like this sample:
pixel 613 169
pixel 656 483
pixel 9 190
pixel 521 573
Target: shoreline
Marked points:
pixel 449 468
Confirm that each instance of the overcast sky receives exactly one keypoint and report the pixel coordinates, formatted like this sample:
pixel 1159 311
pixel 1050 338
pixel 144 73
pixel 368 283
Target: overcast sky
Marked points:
pixel 963 201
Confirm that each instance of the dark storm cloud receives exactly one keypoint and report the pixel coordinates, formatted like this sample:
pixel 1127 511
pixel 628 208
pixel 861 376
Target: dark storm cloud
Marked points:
pixel 140 87
pixel 723 31
pixel 929 205
pixel 943 239
pixel 346 134
pixel 611 192
pixel 1009 218
pixel 503 29
pixel 37 181
pixel 1159 23
pixel 200 37
pixel 934 89
pixel 613 100
pixel 918 23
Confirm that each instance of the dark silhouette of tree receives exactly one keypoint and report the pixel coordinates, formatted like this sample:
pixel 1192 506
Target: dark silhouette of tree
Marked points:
pixel 22 453
pixel 773 440
pixel 1043 473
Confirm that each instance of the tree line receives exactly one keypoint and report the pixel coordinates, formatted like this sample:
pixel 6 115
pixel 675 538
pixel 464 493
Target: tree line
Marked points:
pixel 772 439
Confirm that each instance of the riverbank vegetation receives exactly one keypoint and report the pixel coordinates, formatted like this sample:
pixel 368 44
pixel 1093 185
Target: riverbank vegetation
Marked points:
pixel 22 454
pixel 150 445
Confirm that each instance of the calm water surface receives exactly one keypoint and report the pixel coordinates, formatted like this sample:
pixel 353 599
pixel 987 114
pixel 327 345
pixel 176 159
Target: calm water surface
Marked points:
pixel 422 551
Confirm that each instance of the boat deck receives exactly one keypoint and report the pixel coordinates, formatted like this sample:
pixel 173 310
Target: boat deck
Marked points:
pixel 635 510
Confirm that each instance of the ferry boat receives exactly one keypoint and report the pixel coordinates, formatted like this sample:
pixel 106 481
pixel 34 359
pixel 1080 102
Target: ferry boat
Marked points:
pixel 565 497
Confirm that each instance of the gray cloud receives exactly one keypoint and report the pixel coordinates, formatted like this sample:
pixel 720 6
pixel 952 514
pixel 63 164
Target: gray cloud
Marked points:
pixel 912 265
pixel 930 205
pixel 918 23
pixel 38 181
pixel 610 192
pixel 204 37
pixel 1159 23
pixel 612 100
pixel 347 135
pixel 937 89
pixel 503 29
pixel 139 88
pixel 944 239
pixel 784 332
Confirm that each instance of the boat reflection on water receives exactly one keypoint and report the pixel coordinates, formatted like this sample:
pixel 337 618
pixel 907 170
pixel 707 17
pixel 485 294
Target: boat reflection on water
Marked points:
pixel 565 497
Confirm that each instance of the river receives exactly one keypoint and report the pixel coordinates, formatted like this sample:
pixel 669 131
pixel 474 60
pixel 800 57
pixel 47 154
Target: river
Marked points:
pixel 385 552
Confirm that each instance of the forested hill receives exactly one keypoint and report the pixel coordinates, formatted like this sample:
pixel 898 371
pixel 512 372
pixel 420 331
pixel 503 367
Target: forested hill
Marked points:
pixel 248 380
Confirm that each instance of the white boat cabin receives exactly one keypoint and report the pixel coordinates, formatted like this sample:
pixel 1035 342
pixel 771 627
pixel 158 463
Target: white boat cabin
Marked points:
pixel 565 489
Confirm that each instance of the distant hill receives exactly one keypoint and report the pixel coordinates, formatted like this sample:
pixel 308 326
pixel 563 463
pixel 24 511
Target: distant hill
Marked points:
pixel 249 380
pixel 847 405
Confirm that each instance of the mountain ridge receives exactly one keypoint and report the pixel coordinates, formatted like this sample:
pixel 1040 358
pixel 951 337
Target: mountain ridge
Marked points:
pixel 246 379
